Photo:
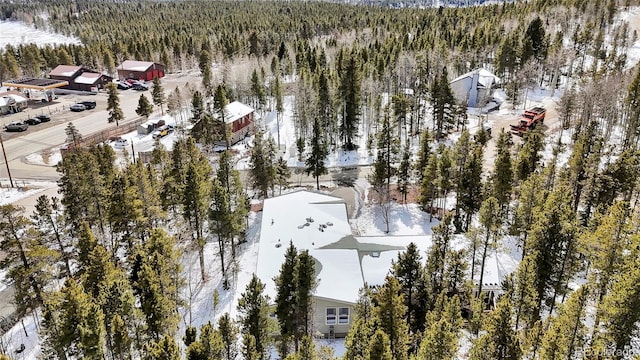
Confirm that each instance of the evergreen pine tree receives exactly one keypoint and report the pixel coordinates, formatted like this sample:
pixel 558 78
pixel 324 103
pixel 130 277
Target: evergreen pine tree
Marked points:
pixel 278 95
pixel 48 218
pixel 440 340
pixel 157 284
pixel 197 107
pixel 528 157
pixel 25 259
pixel 205 69
pixel 229 333
pixel 605 247
pixel 164 349
pixel 491 223
pixel 208 346
pixel 86 242
pixel 469 192
pixel 443 103
pixel 261 167
pixel 73 135
pixel 144 107
pixel 113 104
pixel 283 173
pixel 424 154
pixel 620 309
pixel 380 347
pixel 530 199
pixel 157 94
pixel 404 173
pixel 358 340
pixel 253 313
pixel 315 162
pixel 257 88
pixel 350 88
pixel 500 342
pixel 389 313
pixel 82 330
pixel 383 167
pixel 220 103
pixel 435 266
pixel 305 284
pixel 428 185
pixel 566 332
pixel 524 292
pixel 286 299
pixel 408 269
pixel 502 177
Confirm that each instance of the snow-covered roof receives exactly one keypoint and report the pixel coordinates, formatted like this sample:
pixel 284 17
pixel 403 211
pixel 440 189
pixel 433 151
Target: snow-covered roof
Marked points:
pixel 64 70
pixel 485 77
pixel 319 223
pixel 87 78
pixel 134 65
pixel 6 97
pixel 236 110
pixel 18 98
pixel 497 267
pixel 296 217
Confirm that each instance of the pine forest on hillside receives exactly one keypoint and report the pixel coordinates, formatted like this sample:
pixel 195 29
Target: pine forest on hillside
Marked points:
pixel 102 267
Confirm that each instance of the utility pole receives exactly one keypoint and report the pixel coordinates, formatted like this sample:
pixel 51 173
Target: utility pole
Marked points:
pixel 6 162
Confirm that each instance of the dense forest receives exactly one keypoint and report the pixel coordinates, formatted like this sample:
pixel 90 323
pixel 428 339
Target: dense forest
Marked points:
pixel 101 267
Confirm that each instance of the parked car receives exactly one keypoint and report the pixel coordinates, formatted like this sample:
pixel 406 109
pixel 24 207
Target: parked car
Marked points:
pixel 122 85
pixel 78 107
pixel 88 104
pixel 16 126
pixel 43 118
pixel 162 132
pixel 120 142
pixel 32 121
pixel 140 87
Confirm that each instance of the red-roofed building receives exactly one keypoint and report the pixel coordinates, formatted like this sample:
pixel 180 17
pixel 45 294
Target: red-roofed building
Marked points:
pixel 140 70
pixel 80 78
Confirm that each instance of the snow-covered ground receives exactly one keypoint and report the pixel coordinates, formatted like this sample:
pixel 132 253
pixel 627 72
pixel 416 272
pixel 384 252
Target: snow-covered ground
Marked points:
pixel 16 33
pixel 11 195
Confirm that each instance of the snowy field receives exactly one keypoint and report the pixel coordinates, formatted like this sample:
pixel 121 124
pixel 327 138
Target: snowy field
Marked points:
pixel 16 33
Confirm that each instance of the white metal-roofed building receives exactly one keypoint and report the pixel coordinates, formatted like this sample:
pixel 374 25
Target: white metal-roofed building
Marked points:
pixel 344 263
pixel 473 88
pixel 319 223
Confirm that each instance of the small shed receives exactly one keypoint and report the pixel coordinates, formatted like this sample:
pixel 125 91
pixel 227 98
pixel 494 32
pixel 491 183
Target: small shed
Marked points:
pixel 473 88
pixel 148 127
pixel 140 70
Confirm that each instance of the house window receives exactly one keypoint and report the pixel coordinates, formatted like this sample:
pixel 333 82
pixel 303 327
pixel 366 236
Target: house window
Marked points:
pixel 331 316
pixel 343 316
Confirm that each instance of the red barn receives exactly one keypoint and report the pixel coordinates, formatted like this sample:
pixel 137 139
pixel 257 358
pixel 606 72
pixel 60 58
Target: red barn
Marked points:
pixel 140 70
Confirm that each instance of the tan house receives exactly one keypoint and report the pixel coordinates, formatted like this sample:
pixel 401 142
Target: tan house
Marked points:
pixel 344 263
